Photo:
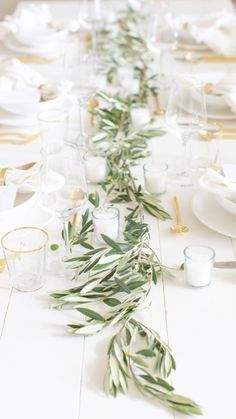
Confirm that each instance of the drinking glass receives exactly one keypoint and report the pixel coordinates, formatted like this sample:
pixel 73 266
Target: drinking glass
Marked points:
pixel 161 40
pixel 185 114
pixel 63 188
pixel 53 125
pixel 80 70
pixel 25 253
pixel 90 16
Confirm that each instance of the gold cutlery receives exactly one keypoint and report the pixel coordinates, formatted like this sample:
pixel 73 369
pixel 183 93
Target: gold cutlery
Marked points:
pixel 36 59
pixel 178 227
pixel 194 59
pixel 158 110
pixel 23 138
pixel 2 265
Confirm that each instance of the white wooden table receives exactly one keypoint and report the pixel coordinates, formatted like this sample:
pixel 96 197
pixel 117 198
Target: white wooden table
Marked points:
pixel 47 374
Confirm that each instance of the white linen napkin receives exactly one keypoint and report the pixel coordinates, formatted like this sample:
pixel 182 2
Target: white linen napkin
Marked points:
pixel 7 197
pixel 24 180
pixel 30 17
pixel 216 183
pixel 216 30
pixel 15 75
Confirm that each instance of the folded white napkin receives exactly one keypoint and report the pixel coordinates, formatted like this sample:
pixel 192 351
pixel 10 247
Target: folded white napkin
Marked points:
pixel 7 197
pixel 216 183
pixel 24 180
pixel 217 31
pixel 15 75
pixel 30 17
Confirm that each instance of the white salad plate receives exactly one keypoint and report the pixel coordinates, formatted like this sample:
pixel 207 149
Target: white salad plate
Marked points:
pixel 207 210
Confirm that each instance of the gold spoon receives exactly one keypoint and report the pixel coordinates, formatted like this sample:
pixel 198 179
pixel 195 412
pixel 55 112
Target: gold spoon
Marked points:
pixel 178 227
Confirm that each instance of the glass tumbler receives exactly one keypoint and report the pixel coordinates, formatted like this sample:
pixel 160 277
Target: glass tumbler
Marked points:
pixel 25 253
pixel 198 265
pixel 53 125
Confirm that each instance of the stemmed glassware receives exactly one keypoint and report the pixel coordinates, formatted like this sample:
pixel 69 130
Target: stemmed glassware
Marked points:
pixel 63 189
pixel 185 115
pixel 161 40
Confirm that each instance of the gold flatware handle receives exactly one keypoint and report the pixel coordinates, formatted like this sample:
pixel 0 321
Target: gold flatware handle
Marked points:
pixel 177 210
pixel 3 175
pixel 36 59
pixel 26 139
pixel 2 265
pixel 215 58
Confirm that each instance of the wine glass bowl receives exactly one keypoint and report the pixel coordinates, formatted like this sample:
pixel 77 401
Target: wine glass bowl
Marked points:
pixel 186 114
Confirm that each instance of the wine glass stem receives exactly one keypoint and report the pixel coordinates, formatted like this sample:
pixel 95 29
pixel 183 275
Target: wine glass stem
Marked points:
pixel 81 122
pixel 66 236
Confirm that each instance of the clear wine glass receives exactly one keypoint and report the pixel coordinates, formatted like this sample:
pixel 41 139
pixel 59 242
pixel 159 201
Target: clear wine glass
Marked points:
pixel 63 189
pixel 185 114
pixel 161 40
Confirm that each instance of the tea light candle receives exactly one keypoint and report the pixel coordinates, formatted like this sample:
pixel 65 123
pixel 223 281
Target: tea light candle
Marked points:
pixel 96 168
pixel 198 265
pixel 106 220
pixel 155 177
pixel 139 116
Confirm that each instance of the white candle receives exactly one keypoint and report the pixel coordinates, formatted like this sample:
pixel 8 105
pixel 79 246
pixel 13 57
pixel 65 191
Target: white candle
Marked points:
pixel 198 265
pixel 139 116
pixel 155 177
pixel 106 221
pixel 131 86
pixel 96 168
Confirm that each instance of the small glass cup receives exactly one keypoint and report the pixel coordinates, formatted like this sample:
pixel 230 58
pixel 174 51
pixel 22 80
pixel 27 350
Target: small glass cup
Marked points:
pixel 25 253
pixel 95 168
pixel 198 265
pixel 155 177
pixel 106 220
pixel 54 128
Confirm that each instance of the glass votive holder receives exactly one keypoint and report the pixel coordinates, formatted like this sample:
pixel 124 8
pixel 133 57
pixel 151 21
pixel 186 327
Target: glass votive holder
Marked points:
pixel 198 265
pixel 25 253
pixel 53 124
pixel 95 168
pixel 139 115
pixel 155 177
pixel 106 220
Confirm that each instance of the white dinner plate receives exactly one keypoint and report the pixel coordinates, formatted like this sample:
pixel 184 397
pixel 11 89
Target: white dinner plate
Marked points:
pixel 212 215
pixel 12 44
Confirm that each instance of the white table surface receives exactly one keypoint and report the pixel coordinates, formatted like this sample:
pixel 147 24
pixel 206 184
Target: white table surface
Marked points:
pixel 47 374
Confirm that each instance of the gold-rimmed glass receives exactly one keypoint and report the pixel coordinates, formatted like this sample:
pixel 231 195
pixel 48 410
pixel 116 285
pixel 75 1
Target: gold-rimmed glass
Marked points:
pixel 25 254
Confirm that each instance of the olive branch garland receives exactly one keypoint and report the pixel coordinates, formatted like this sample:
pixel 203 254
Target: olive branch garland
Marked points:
pixel 120 279
pixel 124 147
pixel 121 274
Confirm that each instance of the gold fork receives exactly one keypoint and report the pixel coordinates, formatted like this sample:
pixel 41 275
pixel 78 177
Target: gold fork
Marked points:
pixel 2 265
